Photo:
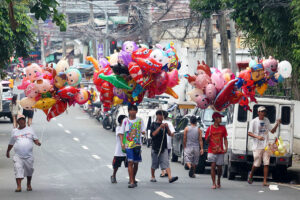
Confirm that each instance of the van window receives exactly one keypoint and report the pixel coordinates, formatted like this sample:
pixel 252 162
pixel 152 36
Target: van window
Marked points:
pixel 271 112
pixel 285 115
pixel 242 114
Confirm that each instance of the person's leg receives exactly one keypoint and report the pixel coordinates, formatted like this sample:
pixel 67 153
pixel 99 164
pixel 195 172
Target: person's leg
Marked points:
pixel 29 188
pixel 219 176
pixel 130 172
pixel 152 173
pixel 257 157
pixel 14 121
pixel 266 172
pixel 213 174
pixel 135 169
pixel 29 121
pixel 19 187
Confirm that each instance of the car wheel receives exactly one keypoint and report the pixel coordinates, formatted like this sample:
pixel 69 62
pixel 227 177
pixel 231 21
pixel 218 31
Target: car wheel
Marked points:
pixel 106 124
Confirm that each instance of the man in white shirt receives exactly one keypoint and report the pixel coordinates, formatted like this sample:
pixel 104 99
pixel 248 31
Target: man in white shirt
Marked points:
pixel 22 140
pixel 259 130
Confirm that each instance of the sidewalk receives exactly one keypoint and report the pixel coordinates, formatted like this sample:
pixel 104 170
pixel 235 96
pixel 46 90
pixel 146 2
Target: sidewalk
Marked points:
pixel 294 171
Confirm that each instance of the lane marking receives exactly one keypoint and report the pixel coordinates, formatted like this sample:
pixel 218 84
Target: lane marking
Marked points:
pixel 60 125
pixel 67 131
pixel 273 187
pixel 85 147
pixel 109 166
pixel 165 195
pixel 96 157
pixel 294 186
pixel 76 139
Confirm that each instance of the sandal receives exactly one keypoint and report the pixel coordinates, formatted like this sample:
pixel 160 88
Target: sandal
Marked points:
pixel 250 180
pixel 213 187
pixel 29 189
pixel 18 190
pixel 153 180
pixel 163 175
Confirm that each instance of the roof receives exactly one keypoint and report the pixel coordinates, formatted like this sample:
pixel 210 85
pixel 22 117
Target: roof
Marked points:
pixel 274 101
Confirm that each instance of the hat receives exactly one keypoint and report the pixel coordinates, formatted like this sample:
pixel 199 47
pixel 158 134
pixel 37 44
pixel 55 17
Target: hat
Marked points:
pixel 216 114
pixel 261 108
pixel 20 116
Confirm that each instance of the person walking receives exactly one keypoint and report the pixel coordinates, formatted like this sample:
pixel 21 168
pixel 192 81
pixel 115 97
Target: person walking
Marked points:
pixel 119 156
pixel 15 108
pixel 159 152
pixel 193 146
pixel 22 140
pixel 132 128
pixel 215 135
pixel 259 129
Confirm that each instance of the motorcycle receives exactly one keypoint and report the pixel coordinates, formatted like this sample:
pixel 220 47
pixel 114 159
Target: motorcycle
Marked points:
pixel 109 121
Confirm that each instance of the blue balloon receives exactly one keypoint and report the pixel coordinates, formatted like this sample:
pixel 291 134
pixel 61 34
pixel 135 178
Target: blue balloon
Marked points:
pixel 280 79
pixel 252 63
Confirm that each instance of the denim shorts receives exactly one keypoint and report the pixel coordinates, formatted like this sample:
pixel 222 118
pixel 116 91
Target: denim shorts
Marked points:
pixel 134 154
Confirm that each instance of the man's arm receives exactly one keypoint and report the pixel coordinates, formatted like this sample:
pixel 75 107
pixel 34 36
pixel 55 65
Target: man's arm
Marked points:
pixel 256 136
pixel 121 141
pixel 200 141
pixel 276 126
pixel 37 142
pixel 226 144
pixel 185 136
pixel 8 150
pixel 154 133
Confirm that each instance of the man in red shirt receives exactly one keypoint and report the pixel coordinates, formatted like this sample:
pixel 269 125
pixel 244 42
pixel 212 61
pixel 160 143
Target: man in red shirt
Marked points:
pixel 215 134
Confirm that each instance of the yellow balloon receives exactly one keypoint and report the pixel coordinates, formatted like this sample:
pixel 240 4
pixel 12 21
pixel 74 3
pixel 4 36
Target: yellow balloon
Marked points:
pixel 261 90
pixel 117 101
pixel 276 153
pixel 45 103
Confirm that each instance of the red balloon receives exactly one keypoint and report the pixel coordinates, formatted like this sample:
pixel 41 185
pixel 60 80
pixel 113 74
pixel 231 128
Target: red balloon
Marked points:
pixel 107 94
pixel 222 101
pixel 161 82
pixel 141 53
pixel 149 65
pixel 57 109
pixel 204 67
pixel 136 73
pixel 106 71
pixel 67 92
pixel 244 102
pixel 235 97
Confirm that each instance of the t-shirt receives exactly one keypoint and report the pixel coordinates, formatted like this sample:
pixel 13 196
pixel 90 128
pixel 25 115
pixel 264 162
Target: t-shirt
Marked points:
pixel 118 150
pixel 260 128
pixel 23 141
pixel 169 138
pixel 159 140
pixel 216 139
pixel 132 130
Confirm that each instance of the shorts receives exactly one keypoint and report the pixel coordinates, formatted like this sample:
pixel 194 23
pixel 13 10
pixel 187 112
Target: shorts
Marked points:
pixel 162 160
pixel 28 113
pixel 217 158
pixel 117 161
pixel 260 154
pixel 23 167
pixel 134 154
pixel 191 155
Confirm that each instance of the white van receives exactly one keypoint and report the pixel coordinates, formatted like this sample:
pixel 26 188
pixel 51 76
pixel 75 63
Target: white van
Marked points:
pixel 239 158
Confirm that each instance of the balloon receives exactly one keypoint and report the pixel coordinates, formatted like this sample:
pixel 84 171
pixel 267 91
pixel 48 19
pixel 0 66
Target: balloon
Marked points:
pixel 27 103
pixel 24 85
pixel 94 62
pixel 73 77
pixel 82 96
pixel 141 53
pixel 31 91
pixel 222 100
pixel 67 92
pixel 116 80
pixel 195 93
pixel 120 69
pixel 218 80
pixel 160 82
pixel 285 69
pixel 160 56
pixel 129 46
pixel 280 79
pixel 272 81
pixel 171 92
pixel 202 101
pixel 211 91
pixel 33 72
pixel 235 97
pixel 137 91
pixel 149 65
pixel 119 93
pixel 106 71
pixel 257 72
pixel 43 86
pixel 44 103
pixel 202 81
pixel 58 108
pixel 60 80
pixel 173 78
pixel 245 75
pixel 244 102
pixel 261 89
pixel 191 79
pixel 113 59
pixel 117 101
pixel 204 67
pixel 136 73
pixel 106 95
pixel 270 66
pixel 103 62
pixel 62 66
pixel 252 63
pixel 124 58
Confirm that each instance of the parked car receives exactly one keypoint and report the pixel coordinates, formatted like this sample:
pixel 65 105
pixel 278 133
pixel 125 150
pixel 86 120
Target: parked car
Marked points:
pixel 204 118
pixel 6 99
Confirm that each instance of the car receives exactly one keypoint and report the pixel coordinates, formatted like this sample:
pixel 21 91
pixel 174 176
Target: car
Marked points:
pixel 6 99
pixel 204 118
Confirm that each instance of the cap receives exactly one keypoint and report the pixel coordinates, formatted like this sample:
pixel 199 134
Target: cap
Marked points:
pixel 261 108
pixel 216 114
pixel 20 116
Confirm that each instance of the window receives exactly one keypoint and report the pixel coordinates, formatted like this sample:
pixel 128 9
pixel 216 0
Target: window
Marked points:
pixel 242 114
pixel 285 115
pixel 182 124
pixel 271 112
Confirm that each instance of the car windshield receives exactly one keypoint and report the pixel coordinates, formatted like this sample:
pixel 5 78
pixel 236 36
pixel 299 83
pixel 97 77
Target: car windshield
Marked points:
pixel 207 117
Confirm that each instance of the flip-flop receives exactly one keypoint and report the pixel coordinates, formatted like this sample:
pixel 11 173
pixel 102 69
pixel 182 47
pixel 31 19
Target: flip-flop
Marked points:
pixel 165 175
pixel 213 187
pixel 29 189
pixel 218 186
pixel 18 190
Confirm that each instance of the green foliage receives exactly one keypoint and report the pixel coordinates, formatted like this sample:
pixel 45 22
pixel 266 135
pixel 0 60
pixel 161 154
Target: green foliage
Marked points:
pixel 206 7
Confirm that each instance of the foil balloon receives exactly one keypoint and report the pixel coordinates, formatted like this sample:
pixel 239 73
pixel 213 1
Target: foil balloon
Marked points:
pixel 160 82
pixel 24 84
pixel 58 108
pixel 94 62
pixel 82 96
pixel 119 93
pixel 244 102
pixel 211 91
pixel 257 72
pixel 33 72
pixel 160 56
pixel 43 86
pixel 204 67
pixel 222 100
pixel 67 92
pixel 106 95
pixel 45 103
pixel 73 77
pixel 173 78
pixel 27 103
pixel 235 97
pixel 202 81
pixel 149 65
pixel 129 46
pixel 136 73
pixel 113 59
pixel 62 66
pixel 261 89
pixel 270 66
pixel 218 80
pixel 202 102
pixel 195 93
pixel 31 91
pixel 120 69
pixel 171 92
pixel 124 58
pixel 141 53
pixel 252 63
pixel 117 101
pixel 285 69
pixel 60 80
pixel 116 81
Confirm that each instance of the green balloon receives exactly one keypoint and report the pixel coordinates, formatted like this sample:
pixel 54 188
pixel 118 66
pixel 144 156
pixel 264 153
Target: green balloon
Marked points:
pixel 116 80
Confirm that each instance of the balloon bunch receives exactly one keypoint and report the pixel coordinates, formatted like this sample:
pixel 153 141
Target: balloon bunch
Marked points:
pixel 135 72
pixel 220 88
pixel 278 148
pixel 52 89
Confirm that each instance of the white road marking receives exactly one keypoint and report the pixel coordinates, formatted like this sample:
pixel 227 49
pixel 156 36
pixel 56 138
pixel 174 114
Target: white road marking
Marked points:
pixel 261 191
pixel 161 193
pixel 60 125
pixel 67 131
pixel 76 139
pixel 96 157
pixel 273 187
pixel 109 166
pixel 85 147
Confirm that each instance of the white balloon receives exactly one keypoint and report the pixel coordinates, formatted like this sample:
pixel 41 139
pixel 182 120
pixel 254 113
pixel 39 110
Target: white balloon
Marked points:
pixel 285 69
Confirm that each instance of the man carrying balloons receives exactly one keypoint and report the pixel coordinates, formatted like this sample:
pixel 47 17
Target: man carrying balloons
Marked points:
pixel 259 130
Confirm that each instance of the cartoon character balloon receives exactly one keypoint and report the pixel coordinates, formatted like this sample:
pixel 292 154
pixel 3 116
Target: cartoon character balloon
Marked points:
pixel 32 91
pixel 195 93
pixel 211 91
pixel 202 101
pixel 218 80
pixel 82 96
pixel 160 56
pixel 33 72
pixel 73 77
pixel 270 66
pixel 27 103
pixel 202 81
pixel 129 46
pixel 62 66
pixel 43 86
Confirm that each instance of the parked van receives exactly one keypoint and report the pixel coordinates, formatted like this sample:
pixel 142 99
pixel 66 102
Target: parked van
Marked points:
pixel 239 158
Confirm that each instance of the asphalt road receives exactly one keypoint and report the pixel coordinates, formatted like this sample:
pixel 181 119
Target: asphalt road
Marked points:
pixel 74 162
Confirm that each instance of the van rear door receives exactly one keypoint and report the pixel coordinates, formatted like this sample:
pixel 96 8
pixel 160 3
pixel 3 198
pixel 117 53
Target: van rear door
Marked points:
pixel 286 129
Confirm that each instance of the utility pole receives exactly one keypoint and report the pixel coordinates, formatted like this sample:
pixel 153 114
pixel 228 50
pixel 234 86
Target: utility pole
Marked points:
pixel 41 38
pixel 232 46
pixel 224 40
pixel 209 42
pixel 94 53
pixel 64 39
pixel 106 33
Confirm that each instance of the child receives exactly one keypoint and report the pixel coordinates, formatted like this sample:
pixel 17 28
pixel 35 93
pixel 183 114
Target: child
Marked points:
pixel 120 156
pixel 14 108
pixel 22 140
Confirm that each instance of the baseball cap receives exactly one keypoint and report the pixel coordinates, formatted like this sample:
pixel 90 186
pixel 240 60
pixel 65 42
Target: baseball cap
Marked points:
pixel 261 108
pixel 216 114
pixel 20 116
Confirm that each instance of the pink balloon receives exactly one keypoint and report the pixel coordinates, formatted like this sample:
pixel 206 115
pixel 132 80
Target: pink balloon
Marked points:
pixel 82 96
pixel 211 91
pixel 31 91
pixel 202 101
pixel 195 93
pixel 33 72
pixel 202 81
pixel 218 80
pixel 43 86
